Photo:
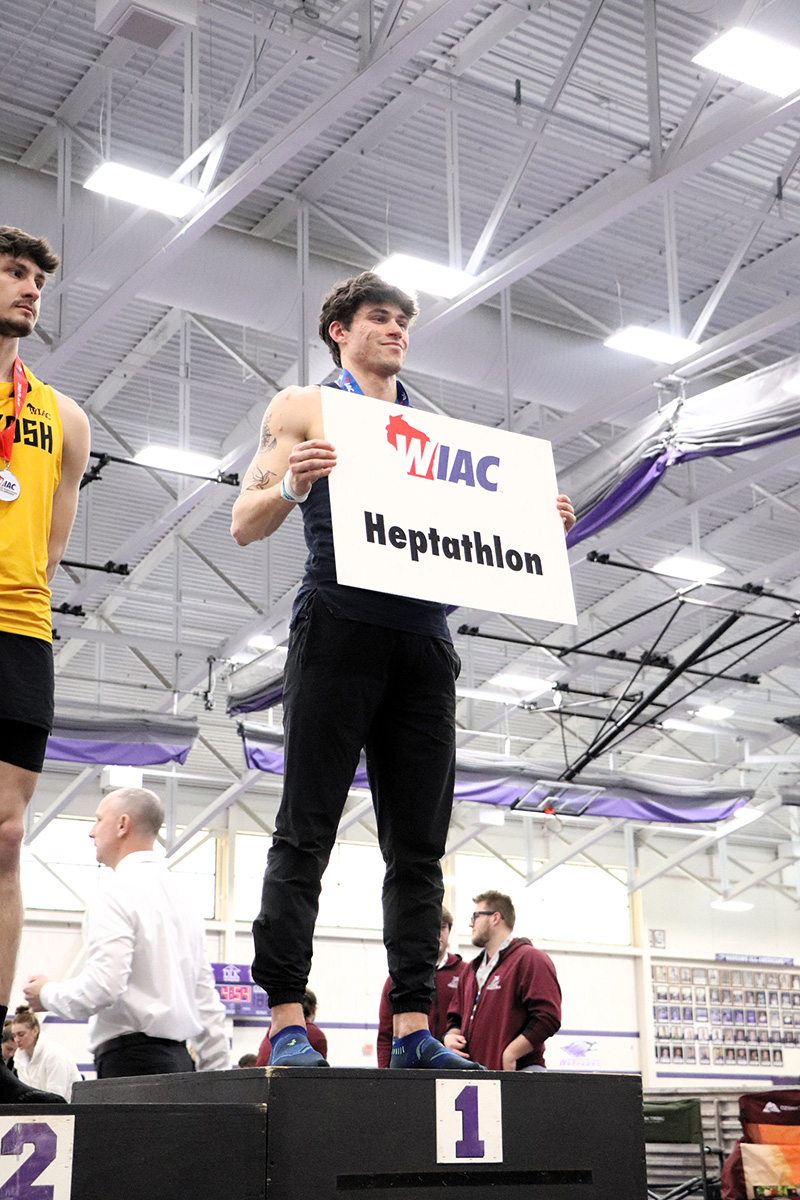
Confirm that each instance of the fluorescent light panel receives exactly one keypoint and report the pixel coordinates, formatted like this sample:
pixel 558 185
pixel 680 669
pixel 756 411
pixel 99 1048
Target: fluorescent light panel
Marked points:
pixel 752 58
pixel 488 695
pixel 417 275
pixel 683 567
pixel 732 905
pixel 715 712
pixel 681 726
pixel 527 685
pixel 169 458
pixel 143 189
pixel 262 642
pixel 491 816
pixel 651 343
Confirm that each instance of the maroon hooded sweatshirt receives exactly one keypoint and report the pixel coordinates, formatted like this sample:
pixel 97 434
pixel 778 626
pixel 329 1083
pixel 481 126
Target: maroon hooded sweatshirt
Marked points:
pixel 446 983
pixel 521 996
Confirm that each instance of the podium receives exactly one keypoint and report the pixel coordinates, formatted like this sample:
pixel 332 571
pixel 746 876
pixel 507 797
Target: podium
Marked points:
pixel 314 1134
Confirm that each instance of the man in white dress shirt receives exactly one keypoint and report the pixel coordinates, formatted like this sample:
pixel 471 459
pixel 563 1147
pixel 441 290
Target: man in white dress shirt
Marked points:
pixel 147 985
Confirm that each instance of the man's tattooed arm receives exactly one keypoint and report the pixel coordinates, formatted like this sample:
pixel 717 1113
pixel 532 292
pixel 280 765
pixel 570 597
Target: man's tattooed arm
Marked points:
pixel 268 442
pixel 261 479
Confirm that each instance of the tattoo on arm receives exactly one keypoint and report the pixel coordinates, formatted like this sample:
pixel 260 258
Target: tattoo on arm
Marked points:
pixel 268 442
pixel 261 479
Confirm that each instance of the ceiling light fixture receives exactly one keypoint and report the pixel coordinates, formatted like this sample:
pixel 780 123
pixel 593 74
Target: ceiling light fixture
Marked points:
pixel 527 685
pixel 732 905
pixel 417 275
pixel 242 657
pixel 683 567
pixel 488 696
pixel 182 462
pixel 144 189
pixel 715 712
pixel 752 58
pixel 651 343
pixel 262 642
pixel 680 726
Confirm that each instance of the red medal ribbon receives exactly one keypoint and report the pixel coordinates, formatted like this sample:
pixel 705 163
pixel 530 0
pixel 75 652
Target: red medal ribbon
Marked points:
pixel 20 396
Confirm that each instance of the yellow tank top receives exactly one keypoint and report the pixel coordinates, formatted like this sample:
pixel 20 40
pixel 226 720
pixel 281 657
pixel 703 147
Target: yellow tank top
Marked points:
pixel 25 522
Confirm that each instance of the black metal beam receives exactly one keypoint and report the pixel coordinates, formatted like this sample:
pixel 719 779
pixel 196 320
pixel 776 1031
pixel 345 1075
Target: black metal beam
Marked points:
pixel 748 589
pixel 660 662
pixel 604 742
pixel 110 567
pixel 93 473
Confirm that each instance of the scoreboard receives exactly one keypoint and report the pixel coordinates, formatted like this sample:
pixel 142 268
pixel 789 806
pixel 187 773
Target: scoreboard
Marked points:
pixel 240 995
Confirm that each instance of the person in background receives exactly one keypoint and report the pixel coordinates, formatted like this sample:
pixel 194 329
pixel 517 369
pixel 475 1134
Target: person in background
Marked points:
pixel 147 986
pixel 41 1063
pixel 508 1001
pixel 9 1046
pixel 316 1037
pixel 247 1060
pixel 448 969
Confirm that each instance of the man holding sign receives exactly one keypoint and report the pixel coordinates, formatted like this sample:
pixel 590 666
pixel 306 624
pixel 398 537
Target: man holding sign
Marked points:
pixel 366 670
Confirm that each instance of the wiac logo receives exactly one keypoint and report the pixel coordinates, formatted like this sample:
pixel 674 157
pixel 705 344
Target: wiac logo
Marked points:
pixel 426 459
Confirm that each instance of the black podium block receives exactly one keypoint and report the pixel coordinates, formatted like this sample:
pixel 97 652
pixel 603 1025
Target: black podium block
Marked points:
pixel 415 1134
pixel 139 1152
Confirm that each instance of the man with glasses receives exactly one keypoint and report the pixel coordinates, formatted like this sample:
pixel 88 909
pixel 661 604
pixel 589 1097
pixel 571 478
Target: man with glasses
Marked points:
pixel 508 1001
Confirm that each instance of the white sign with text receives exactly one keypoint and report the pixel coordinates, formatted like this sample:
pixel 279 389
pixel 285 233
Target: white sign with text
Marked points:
pixel 438 509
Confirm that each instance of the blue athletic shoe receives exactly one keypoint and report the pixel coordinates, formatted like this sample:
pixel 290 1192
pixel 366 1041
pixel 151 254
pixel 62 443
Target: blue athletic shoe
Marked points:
pixel 421 1051
pixel 291 1048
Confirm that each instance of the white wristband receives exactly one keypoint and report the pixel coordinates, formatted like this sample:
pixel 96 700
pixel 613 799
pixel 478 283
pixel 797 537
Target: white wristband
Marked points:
pixel 288 492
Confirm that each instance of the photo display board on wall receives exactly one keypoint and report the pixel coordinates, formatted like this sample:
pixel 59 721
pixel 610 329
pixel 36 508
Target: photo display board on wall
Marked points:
pixel 725 1014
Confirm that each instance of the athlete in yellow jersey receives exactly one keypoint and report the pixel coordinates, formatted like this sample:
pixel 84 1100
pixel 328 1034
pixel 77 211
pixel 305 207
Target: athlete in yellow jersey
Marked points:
pixel 44 448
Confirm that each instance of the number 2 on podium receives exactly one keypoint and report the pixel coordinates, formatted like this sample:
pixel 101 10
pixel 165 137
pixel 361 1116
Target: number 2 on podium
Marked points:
pixel 51 1140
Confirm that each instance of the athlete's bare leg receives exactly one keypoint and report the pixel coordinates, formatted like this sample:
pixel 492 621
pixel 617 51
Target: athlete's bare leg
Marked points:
pixel 16 789
pixel 409 1022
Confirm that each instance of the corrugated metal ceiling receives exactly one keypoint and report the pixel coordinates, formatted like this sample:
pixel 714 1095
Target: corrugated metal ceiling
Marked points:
pixel 396 191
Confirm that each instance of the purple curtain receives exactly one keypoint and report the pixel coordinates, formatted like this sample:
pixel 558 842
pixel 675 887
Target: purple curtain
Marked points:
pixel 614 800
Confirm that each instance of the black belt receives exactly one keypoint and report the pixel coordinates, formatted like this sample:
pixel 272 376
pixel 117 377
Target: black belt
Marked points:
pixel 133 1039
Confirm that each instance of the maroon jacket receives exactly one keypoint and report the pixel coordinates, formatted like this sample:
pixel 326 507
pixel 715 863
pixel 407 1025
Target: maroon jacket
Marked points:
pixel 521 995
pixel 315 1036
pixel 446 984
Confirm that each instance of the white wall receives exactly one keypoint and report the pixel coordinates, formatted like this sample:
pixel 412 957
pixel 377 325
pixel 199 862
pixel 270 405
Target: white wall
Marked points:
pixel 606 990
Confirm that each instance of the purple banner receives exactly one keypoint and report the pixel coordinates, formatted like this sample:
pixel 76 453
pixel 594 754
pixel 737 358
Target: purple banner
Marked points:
pixel 624 497
pixel 116 754
pixel 503 792
pixel 641 481
pixel 256 703
pixel 649 808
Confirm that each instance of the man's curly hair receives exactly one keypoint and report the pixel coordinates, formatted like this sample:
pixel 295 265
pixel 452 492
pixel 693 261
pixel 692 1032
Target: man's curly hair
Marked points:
pixel 22 245
pixel 345 298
